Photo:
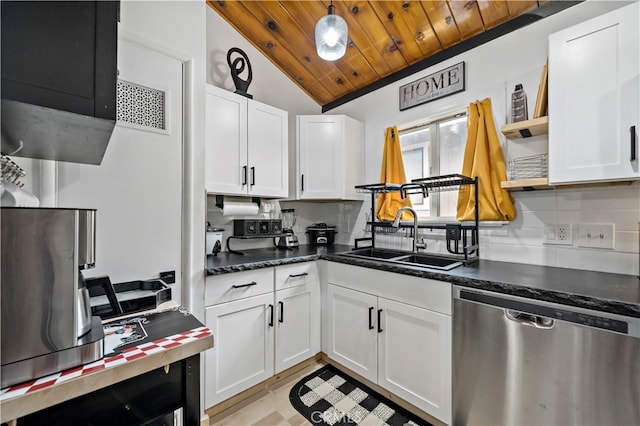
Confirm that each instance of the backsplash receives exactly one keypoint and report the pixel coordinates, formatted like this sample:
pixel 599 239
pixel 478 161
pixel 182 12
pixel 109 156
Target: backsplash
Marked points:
pixel 520 241
pixel 342 214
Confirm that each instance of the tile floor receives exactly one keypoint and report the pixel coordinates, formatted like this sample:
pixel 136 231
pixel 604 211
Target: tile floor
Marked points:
pixel 268 408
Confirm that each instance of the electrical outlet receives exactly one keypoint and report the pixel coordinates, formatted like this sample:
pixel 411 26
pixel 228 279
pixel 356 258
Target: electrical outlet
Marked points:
pixel 558 233
pixel 169 277
pixel 596 235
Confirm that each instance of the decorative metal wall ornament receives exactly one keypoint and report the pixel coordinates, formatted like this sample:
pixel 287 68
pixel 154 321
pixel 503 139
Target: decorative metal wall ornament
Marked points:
pixel 237 67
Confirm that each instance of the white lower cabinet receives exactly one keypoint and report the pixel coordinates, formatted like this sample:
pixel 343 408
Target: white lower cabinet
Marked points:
pixel 402 341
pixel 259 335
pixel 243 352
pixel 414 356
pixel 352 334
pixel 297 325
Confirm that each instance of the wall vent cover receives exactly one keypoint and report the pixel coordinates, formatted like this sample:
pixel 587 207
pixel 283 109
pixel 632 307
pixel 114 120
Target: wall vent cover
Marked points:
pixel 140 105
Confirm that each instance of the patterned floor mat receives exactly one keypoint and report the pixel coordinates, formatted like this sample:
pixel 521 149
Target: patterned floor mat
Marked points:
pixel 330 397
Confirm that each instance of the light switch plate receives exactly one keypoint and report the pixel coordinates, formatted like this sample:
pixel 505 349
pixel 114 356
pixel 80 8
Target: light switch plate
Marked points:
pixel 596 235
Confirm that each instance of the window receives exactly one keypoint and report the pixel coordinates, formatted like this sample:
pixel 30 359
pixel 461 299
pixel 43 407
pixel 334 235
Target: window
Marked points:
pixel 434 148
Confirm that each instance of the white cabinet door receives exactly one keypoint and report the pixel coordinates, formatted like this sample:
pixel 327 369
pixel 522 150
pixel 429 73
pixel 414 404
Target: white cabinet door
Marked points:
pixel 352 335
pixel 243 352
pixel 320 163
pixel 268 150
pixel 226 146
pixel 297 325
pixel 414 356
pixel 330 157
pixel 594 96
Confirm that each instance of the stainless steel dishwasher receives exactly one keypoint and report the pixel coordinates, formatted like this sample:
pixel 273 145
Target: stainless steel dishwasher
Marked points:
pixel 519 361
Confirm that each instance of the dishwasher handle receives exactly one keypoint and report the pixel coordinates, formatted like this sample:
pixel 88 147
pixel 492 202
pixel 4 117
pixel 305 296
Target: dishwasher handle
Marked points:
pixel 529 320
pixel 542 314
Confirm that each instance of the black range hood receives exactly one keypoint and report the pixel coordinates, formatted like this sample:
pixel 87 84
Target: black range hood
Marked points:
pixel 59 75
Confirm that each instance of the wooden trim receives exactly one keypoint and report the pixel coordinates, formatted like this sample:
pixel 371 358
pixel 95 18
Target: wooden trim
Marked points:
pixel 543 183
pixel 247 396
pixel 384 392
pixel 204 420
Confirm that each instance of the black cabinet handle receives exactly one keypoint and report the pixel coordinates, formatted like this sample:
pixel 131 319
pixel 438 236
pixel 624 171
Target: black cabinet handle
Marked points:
pixel 281 319
pixel 370 320
pixel 252 283
pixel 298 275
pixel 632 130
pixel 302 182
pixel 244 175
pixel 253 176
pixel 270 315
pixel 379 314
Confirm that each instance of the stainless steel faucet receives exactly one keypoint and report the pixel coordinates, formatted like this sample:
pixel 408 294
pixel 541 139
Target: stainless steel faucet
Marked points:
pixel 396 223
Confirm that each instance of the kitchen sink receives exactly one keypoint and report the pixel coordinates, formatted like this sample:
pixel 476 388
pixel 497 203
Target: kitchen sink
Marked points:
pixel 429 261
pixel 401 257
pixel 376 253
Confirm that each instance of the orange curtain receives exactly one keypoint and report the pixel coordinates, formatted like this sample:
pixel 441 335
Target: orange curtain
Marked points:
pixel 483 158
pixel 392 172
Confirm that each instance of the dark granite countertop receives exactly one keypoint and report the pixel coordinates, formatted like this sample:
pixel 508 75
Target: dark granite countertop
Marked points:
pixel 614 293
pixel 226 262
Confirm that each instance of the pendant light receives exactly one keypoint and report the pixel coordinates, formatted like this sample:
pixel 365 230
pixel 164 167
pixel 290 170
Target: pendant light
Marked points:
pixel 331 35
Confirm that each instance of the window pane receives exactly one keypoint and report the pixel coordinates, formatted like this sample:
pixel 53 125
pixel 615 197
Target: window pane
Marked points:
pixel 414 160
pixel 446 140
pixel 452 137
pixel 415 153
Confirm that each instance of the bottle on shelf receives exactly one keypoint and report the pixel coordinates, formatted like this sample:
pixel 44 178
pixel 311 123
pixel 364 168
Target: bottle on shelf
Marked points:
pixel 519 105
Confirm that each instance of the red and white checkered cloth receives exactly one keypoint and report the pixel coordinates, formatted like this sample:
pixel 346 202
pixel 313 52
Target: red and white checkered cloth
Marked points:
pixel 126 355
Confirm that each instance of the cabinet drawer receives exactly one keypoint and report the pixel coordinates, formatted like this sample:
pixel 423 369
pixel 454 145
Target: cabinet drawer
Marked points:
pixel 237 285
pixel 296 274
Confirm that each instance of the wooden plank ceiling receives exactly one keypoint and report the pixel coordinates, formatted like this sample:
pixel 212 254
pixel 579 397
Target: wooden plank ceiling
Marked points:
pixel 385 37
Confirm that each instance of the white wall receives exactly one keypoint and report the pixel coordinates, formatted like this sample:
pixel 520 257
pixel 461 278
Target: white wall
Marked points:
pixel 175 28
pixel 179 28
pixel 492 71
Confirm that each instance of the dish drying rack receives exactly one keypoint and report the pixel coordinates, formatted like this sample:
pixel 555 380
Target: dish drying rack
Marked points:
pixel 11 172
pixel 462 240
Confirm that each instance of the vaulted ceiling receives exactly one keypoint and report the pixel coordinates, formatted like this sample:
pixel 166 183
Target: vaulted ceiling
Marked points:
pixel 388 40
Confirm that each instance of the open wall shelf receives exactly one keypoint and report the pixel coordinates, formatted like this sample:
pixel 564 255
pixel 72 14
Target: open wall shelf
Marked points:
pixel 522 130
pixel 526 184
pixel 527 128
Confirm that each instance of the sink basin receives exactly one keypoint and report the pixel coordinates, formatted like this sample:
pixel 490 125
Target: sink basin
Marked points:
pixel 376 253
pixel 406 258
pixel 429 261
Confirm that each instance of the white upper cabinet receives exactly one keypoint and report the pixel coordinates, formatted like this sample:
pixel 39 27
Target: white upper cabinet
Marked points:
pixel 247 146
pixel 226 145
pixel 268 150
pixel 594 96
pixel 330 157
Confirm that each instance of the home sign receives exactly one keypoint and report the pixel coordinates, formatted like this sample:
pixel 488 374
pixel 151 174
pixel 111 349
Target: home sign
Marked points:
pixel 434 86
